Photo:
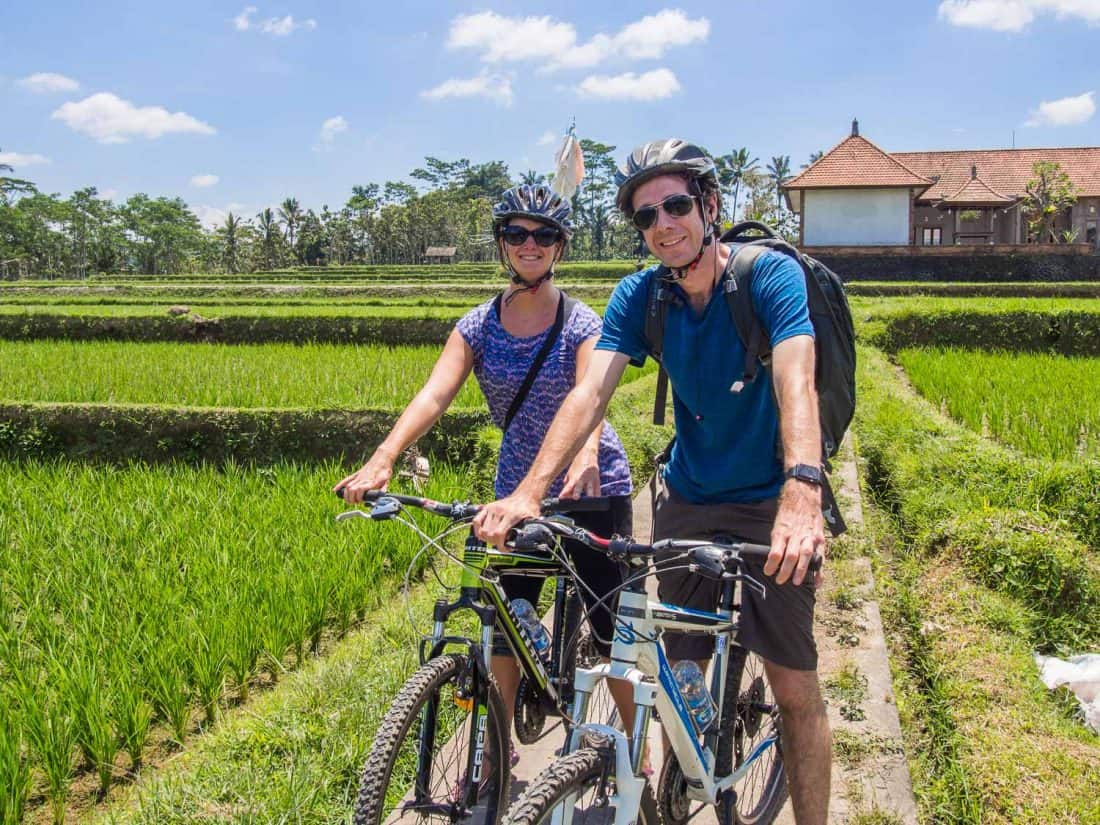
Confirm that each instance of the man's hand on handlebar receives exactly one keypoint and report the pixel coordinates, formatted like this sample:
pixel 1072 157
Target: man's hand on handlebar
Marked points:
pixel 495 520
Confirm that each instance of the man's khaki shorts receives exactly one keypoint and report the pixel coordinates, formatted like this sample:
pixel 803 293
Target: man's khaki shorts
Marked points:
pixel 779 627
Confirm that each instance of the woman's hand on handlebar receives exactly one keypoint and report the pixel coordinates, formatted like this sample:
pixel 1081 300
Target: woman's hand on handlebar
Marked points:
pixel 374 475
pixel 495 520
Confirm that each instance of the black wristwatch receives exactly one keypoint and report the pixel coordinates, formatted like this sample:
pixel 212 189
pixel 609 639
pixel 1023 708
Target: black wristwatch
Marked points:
pixel 807 473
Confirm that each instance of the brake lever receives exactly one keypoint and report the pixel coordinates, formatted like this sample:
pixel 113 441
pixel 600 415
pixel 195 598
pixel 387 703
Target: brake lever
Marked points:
pixel 347 514
pixel 746 579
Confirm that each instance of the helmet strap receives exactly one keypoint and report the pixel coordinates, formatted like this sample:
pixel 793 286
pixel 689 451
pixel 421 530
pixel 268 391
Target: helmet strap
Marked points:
pixel 517 279
pixel 680 273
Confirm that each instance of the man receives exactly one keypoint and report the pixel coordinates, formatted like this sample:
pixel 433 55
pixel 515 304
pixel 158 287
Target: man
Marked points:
pixel 724 474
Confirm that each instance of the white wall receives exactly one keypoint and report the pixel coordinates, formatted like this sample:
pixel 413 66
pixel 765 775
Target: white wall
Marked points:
pixel 855 217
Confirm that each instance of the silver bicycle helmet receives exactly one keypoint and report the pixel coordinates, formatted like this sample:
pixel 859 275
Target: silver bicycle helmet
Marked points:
pixel 660 157
pixel 539 203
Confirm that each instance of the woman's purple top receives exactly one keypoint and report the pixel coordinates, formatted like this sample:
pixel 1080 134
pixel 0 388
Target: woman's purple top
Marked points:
pixel 501 362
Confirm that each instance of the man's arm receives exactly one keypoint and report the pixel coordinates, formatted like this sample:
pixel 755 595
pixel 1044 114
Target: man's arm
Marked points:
pixel 799 530
pixel 579 413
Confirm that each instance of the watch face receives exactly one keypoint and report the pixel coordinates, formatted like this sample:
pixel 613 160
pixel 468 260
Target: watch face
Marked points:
pixel 804 472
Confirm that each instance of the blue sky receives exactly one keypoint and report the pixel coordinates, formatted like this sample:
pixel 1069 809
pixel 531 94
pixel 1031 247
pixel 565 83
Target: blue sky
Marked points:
pixel 169 98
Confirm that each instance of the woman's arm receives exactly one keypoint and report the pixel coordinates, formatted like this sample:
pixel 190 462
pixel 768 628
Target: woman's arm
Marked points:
pixel 448 375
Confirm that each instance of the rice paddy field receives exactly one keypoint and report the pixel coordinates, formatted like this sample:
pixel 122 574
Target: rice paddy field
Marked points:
pixel 1045 405
pixel 138 602
pixel 145 605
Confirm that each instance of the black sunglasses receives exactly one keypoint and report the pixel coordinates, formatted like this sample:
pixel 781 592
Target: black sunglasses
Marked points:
pixel 517 235
pixel 675 205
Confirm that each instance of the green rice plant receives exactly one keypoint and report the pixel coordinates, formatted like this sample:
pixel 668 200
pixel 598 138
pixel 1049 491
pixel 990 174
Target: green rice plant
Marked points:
pixel 1041 404
pixel 209 375
pixel 169 691
pixel 89 692
pixel 15 769
pixel 51 731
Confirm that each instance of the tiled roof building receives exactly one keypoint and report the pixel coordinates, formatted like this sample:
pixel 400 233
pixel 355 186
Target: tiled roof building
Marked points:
pixel 857 194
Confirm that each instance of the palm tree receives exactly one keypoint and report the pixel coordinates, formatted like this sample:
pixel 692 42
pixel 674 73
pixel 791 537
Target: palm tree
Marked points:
pixel 269 234
pixel 290 214
pixel 779 170
pixel 732 169
pixel 814 158
pixel 230 232
pixel 532 178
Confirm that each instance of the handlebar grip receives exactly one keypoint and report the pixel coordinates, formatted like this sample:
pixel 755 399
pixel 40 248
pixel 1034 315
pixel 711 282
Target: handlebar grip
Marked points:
pixel 370 495
pixel 762 550
pixel 595 504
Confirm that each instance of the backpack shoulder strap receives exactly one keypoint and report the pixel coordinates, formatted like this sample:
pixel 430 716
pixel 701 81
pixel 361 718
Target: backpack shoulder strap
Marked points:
pixel 737 285
pixel 658 299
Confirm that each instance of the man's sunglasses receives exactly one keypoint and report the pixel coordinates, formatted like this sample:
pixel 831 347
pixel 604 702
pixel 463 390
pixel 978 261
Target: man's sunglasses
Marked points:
pixel 517 235
pixel 675 205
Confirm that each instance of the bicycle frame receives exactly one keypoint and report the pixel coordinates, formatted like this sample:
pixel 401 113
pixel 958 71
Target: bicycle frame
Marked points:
pixel 481 592
pixel 637 653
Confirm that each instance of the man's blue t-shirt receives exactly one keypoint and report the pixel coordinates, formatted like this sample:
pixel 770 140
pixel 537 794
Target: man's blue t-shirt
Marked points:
pixel 725 441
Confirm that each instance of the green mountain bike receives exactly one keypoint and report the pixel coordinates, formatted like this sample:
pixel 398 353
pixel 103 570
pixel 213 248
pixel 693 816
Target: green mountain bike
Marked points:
pixel 437 754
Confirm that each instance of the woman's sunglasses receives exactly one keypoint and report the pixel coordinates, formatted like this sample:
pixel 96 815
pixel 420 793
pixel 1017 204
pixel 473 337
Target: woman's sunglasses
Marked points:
pixel 675 205
pixel 517 235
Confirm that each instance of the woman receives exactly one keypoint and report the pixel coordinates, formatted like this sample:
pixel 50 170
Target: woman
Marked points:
pixel 499 341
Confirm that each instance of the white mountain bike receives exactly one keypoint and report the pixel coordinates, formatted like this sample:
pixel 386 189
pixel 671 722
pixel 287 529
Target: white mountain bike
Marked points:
pixel 735 765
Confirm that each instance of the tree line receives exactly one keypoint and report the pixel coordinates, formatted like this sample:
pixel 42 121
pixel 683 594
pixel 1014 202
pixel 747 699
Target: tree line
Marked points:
pixel 444 203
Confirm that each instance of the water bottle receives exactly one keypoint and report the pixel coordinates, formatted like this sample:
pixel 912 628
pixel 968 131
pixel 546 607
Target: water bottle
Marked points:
pixel 529 619
pixel 693 688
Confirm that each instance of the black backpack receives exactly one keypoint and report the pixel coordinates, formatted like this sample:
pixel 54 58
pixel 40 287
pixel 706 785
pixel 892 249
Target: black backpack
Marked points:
pixel 834 336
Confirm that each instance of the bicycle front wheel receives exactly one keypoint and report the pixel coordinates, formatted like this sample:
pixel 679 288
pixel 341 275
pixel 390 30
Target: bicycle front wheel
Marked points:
pixel 750 718
pixel 417 768
pixel 576 779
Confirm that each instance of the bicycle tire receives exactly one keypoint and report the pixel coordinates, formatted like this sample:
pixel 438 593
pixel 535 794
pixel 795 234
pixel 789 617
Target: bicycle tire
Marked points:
pixel 763 791
pixel 576 773
pixel 397 742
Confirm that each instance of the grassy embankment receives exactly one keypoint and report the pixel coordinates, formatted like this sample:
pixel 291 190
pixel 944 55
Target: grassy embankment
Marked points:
pixel 980 566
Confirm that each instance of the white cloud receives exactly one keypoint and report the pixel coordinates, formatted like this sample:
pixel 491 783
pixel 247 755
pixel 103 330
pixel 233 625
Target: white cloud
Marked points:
pixel 1068 111
pixel 548 137
pixel 214 216
pixel 110 119
pixel 502 39
pixel 495 87
pixel 17 159
pixel 282 26
pixel 329 130
pixel 243 21
pixel 277 26
pixel 1015 15
pixel 653 85
pixel 204 180
pixel 45 82
pixel 653 35
pixel 108 194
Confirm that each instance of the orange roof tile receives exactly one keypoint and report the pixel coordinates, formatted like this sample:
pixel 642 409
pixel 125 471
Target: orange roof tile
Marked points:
pixel 973 193
pixel 1006 171
pixel 856 162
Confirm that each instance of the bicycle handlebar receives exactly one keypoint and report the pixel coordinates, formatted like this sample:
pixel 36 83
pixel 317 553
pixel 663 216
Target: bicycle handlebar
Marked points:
pixel 712 556
pixel 462 510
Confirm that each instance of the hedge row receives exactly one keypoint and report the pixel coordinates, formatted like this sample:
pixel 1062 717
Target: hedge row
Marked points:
pixel 228 329
pixel 121 433
pixel 1018 525
pixel 586 269
pixel 974 290
pixel 979 267
pixel 190 292
pixel 1068 333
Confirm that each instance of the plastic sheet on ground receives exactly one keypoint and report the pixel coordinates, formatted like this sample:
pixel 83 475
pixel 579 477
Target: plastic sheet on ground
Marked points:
pixel 1081 674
